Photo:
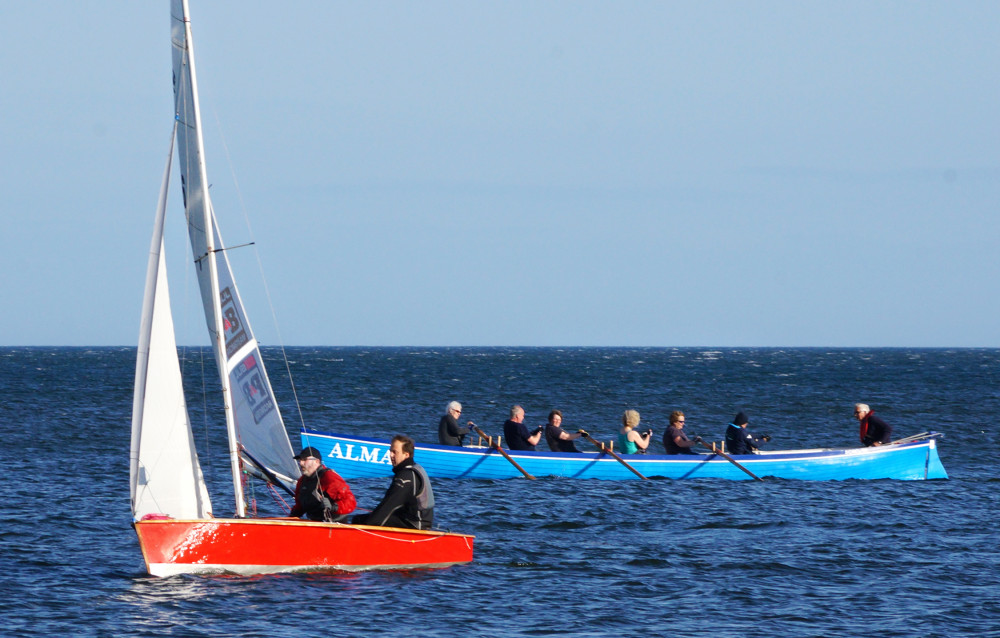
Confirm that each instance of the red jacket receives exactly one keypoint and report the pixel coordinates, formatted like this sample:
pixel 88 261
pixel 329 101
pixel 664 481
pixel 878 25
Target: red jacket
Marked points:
pixel 307 501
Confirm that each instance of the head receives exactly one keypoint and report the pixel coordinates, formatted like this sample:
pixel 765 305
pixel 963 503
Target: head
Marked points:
pixel 861 410
pixel 740 419
pixel 400 449
pixel 630 419
pixel 555 417
pixel 454 409
pixel 677 418
pixel 309 461
pixel 516 414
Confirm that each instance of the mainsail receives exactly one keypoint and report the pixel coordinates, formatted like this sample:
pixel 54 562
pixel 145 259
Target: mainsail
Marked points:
pixel 252 417
pixel 165 474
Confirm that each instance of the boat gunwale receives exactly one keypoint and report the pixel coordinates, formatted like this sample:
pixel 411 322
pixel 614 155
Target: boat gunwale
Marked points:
pixel 764 455
pixel 297 522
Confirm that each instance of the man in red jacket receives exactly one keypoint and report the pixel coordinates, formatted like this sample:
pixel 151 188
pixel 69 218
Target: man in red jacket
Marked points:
pixel 320 493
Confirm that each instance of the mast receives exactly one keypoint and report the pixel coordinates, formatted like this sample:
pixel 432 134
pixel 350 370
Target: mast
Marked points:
pixel 207 258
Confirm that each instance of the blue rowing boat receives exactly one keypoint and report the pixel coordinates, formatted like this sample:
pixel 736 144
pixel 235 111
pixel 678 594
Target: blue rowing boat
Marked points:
pixel 910 460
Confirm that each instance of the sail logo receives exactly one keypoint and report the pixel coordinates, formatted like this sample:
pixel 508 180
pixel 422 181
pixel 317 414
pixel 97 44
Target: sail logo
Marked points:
pixel 379 455
pixel 251 382
pixel 233 326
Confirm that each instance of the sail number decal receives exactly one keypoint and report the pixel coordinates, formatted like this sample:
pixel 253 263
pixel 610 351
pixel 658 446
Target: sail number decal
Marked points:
pixel 250 379
pixel 233 326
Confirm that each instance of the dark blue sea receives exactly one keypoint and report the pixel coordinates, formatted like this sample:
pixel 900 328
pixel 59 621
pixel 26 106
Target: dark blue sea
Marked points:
pixel 552 556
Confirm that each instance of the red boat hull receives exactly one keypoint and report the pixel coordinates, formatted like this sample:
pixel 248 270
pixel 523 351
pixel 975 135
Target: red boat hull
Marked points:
pixel 261 546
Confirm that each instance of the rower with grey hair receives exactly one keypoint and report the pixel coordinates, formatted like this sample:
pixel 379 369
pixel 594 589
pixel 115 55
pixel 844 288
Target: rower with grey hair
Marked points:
pixel 448 431
pixel 872 430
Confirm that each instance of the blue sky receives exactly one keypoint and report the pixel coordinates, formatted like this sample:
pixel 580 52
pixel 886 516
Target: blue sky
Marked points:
pixel 517 173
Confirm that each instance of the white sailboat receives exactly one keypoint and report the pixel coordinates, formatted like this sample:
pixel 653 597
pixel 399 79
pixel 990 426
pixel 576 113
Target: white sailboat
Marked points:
pixel 171 508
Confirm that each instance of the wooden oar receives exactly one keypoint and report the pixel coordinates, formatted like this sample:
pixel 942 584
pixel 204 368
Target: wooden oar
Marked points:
pixel 496 446
pixel 730 459
pixel 603 449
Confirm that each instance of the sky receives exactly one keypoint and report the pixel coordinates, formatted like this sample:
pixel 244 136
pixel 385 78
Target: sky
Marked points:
pixel 523 173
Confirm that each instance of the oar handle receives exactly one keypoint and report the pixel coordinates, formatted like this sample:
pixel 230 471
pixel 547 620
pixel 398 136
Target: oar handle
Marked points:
pixel 496 446
pixel 730 459
pixel 600 446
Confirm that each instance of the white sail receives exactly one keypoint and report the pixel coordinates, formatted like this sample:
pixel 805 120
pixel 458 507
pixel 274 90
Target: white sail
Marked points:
pixel 253 420
pixel 166 477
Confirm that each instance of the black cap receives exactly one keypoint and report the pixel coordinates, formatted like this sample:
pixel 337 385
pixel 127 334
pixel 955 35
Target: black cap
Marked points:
pixel 740 419
pixel 307 452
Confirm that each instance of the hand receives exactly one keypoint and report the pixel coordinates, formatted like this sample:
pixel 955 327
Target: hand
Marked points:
pixel 698 439
pixel 472 426
pixel 583 433
pixel 766 437
pixel 649 432
pixel 536 430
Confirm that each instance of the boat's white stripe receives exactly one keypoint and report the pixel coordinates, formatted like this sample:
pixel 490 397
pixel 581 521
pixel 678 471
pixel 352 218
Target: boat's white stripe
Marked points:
pixel 175 569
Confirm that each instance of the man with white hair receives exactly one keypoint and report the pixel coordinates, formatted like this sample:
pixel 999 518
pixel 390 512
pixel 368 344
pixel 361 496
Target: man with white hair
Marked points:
pixel 448 431
pixel 873 430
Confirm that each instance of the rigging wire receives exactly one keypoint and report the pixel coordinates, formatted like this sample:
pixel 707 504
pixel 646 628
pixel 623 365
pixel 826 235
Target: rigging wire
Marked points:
pixel 260 267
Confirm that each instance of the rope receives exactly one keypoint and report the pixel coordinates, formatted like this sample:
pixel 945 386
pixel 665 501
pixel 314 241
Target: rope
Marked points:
pixel 437 536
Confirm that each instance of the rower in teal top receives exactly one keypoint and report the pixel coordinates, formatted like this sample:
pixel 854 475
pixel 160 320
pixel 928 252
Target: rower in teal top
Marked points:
pixel 630 441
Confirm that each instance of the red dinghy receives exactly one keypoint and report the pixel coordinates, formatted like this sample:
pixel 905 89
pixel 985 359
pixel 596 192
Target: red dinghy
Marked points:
pixel 260 546
pixel 171 508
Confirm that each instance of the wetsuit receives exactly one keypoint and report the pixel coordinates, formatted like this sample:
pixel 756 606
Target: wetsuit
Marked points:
pixel 409 501
pixel 874 429
pixel 448 431
pixel 331 504
pixel 556 444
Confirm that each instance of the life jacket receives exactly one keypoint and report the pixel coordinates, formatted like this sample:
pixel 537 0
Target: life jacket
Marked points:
pixel 425 497
pixel 314 500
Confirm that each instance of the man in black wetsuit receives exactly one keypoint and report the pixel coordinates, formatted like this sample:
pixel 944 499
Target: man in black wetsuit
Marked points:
pixel 409 501
pixel 516 433
pixel 873 430
pixel 448 431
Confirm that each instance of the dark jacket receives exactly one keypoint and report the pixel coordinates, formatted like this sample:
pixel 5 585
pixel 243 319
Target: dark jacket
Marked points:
pixel 739 440
pixel 448 431
pixel 874 429
pixel 409 501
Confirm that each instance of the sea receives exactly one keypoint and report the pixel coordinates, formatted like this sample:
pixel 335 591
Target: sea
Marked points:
pixel 553 556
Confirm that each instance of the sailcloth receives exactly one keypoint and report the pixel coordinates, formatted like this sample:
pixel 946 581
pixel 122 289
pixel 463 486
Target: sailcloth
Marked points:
pixel 166 477
pixel 253 419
